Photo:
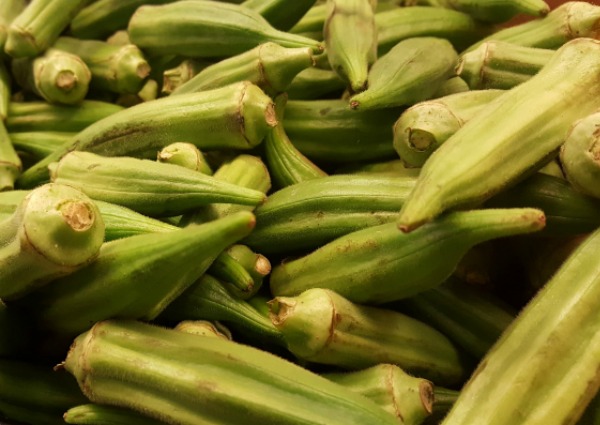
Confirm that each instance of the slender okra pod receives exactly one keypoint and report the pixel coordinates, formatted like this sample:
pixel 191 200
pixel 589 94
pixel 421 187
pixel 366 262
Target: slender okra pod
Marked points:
pixel 321 326
pixel 547 357
pixel 351 53
pixel 452 85
pixel 127 181
pixel 257 264
pixel 177 76
pixel 9 10
pixel 422 128
pixel 412 71
pixel 38 26
pixel 36 145
pixel 501 65
pixel 314 83
pixel 281 14
pixel 5 90
pixel 206 29
pixel 119 69
pixel 186 155
pixel 312 21
pixel 98 414
pixel 201 328
pixel 378 264
pixel 513 135
pixel 235 116
pixel 392 168
pixel 580 155
pixel 10 163
pixel 269 66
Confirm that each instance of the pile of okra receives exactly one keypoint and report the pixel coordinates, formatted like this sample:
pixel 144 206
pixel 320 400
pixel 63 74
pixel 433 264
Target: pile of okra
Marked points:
pixel 299 212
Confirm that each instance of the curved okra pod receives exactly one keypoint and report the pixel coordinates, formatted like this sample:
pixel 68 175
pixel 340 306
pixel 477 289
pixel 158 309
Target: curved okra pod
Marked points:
pixel 281 14
pixel 512 136
pixel 410 72
pixel 580 155
pixel 422 128
pixel 38 26
pixel 9 10
pixel 236 116
pixel 10 163
pixel 56 76
pixel 314 83
pixel 98 414
pixel 181 74
pixel 127 181
pixel 135 277
pixel 351 54
pixel 269 66
pixel 501 65
pixel 206 29
pixel 54 231
pixel 379 264
pixel 321 326
pixel 186 155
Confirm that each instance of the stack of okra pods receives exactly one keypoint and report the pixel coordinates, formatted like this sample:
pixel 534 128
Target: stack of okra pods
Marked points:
pixel 299 212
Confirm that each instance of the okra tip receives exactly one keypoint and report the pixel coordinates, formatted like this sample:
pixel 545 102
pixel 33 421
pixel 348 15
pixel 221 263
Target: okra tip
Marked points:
pixel 20 43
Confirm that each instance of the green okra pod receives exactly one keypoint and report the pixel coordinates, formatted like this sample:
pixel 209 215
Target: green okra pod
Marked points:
pixel 186 155
pixel 236 116
pixel 9 10
pixel 38 26
pixel 422 128
pixel 391 168
pixel 412 71
pixel 321 326
pixel 54 231
pixel 379 264
pixel 135 277
pixel 314 83
pixel 5 90
pixel 119 69
pixel 257 264
pixel 201 328
pixel 39 144
pixel 281 14
pixel 312 21
pixel 512 136
pixel 501 65
pixel 127 181
pixel 580 154
pixel 10 163
pixel 181 74
pixel 351 54
pixel 9 202
pixel 56 76
pixel 452 85
pixel 98 414
pixel 206 29
pixel 269 66
pixel 547 357
pixel 233 275
pixel 274 391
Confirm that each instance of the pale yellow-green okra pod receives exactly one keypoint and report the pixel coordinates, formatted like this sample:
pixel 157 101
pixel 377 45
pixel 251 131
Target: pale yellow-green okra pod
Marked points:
pixel 185 154
pixel 510 137
pixel 9 10
pixel 5 90
pixel 10 162
pixel 98 414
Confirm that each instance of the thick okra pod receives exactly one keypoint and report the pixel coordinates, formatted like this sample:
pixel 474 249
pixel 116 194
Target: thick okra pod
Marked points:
pixel 9 10
pixel 379 264
pixel 351 54
pixel 412 71
pixel 281 14
pixel 55 230
pixel 38 26
pixel 491 11
pixel 186 155
pixel 56 76
pixel 269 66
pixel 10 163
pixel 98 414
pixel 39 144
pixel 321 326
pixel 512 136
pixel 422 128
pixel 206 29
pixel 119 69
pixel 311 213
pixel 314 83
pixel 580 155
pixel 235 116
pixel 127 181
pixel 135 277
pixel 548 357
pixel 501 65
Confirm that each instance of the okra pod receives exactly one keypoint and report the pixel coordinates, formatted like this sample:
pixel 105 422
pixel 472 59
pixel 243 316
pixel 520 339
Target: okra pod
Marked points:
pixel 235 116
pixel 391 168
pixel 451 86
pixel 321 326
pixel 5 90
pixel 54 231
pixel 206 29
pixel 495 12
pixel 10 163
pixel 39 144
pixel 10 201
pixel 9 10
pixel 98 414
pixel 379 264
pixel 412 71
pixel 186 155
pixel 127 181
pixel 501 65
pixel 257 264
pixel 119 69
pixel 314 83
pixel 201 328
pixel 312 21
pixel 513 136
pixel 175 77
pixel 233 275
pixel 38 26
pixel 422 128
pixel 281 14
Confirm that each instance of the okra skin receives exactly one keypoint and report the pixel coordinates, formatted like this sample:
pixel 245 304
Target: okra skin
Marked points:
pixel 206 29
pixel 380 264
pixel 269 66
pixel 548 357
pixel 314 83
pixel 579 155
pixel 281 14
pixel 97 414
pixel 186 155
pixel 351 54
pixel 201 328
pixel 274 390
pixel 181 74
pixel 501 138
pixel 39 144
pixel 38 26
pixel 127 181
pixel 423 127
pixel 391 168
pixel 5 90
pixel 236 116
pixel 244 268
pixel 321 326
pixel 309 214
pixel 9 10
pixel 10 162
pixel 501 65
pixel 412 71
